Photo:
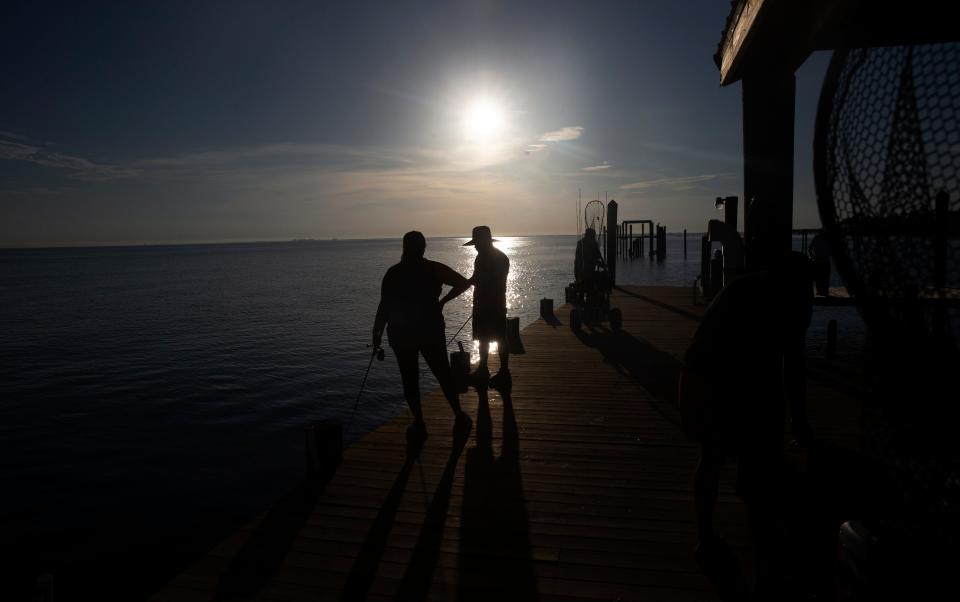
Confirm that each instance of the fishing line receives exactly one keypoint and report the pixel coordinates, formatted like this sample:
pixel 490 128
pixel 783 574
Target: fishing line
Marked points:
pixel 462 326
pixel 376 351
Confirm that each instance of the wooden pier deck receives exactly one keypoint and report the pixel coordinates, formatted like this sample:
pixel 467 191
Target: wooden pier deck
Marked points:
pixel 577 486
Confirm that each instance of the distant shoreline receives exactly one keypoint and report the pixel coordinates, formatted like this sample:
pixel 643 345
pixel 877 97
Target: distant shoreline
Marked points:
pixel 130 245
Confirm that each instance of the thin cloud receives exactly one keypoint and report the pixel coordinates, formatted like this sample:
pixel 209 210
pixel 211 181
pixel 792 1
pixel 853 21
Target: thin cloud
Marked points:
pixel 600 167
pixel 80 168
pixel 284 156
pixel 5 134
pixel 682 183
pixel 534 148
pixel 693 153
pixel 38 191
pixel 570 132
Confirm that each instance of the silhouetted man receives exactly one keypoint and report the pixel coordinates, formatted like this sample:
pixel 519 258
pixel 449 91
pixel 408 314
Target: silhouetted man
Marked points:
pixel 411 311
pixel 490 270
pixel 747 354
pixel 820 255
pixel 587 258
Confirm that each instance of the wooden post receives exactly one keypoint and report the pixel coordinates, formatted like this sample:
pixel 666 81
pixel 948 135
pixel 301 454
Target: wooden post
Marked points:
pixel 640 246
pixel 546 308
pixel 658 242
pixel 651 240
pixel 324 446
pixel 730 204
pixel 684 243
pixel 630 242
pixel 768 123
pixel 705 267
pixel 611 243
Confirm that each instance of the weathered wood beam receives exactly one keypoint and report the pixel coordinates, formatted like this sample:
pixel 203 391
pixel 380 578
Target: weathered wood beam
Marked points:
pixel 779 35
pixel 736 38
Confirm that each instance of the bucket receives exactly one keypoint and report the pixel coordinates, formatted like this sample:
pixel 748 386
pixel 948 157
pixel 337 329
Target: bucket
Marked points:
pixel 460 368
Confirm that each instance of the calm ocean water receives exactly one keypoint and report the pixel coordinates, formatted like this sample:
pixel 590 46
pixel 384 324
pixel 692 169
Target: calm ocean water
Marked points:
pixel 167 386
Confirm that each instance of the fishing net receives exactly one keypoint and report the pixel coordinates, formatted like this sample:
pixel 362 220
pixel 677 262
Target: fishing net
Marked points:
pixel 594 216
pixel 887 168
pixel 887 146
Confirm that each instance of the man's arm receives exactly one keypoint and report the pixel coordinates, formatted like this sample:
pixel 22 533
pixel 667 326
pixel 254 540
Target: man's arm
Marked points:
pixel 599 253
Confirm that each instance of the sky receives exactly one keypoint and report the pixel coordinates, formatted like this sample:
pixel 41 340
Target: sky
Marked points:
pixel 176 122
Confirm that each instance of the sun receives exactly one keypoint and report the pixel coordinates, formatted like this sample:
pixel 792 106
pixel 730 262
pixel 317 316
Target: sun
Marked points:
pixel 484 120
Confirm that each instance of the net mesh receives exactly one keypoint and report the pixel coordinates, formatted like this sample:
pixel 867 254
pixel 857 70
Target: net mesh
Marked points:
pixel 889 147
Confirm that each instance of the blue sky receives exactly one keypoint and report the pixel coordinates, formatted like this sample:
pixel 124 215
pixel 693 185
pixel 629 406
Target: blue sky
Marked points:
pixel 223 121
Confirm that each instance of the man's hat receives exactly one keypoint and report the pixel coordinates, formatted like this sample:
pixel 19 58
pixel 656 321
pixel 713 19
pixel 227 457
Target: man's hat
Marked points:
pixel 480 234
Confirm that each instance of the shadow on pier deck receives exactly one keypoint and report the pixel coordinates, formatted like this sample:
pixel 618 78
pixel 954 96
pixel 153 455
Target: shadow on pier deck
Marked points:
pixel 577 486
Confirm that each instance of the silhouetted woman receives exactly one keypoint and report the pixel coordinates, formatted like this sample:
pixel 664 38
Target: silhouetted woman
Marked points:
pixel 411 311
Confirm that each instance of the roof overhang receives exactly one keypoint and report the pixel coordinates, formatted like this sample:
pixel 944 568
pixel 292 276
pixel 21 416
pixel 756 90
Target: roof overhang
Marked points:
pixel 778 35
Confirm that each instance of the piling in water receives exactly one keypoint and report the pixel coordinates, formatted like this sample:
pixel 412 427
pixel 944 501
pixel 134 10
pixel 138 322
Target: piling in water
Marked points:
pixel 324 445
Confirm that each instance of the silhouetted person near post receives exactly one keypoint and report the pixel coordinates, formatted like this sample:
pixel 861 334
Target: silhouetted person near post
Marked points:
pixel 747 354
pixel 587 258
pixel 820 255
pixel 412 313
pixel 490 270
pixel 716 272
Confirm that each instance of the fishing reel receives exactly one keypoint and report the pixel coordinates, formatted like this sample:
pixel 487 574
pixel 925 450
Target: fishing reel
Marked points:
pixel 378 352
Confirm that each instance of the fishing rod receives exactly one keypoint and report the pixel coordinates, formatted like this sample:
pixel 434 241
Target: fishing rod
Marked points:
pixel 379 354
pixel 458 332
pixel 376 353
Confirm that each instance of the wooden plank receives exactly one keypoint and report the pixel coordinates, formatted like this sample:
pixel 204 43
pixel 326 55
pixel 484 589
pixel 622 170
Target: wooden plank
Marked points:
pixel 576 486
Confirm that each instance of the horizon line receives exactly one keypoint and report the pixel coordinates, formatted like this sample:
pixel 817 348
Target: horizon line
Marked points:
pixel 128 244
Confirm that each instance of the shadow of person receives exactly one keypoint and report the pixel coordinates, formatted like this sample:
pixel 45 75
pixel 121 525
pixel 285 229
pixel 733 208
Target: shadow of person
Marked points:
pixel 495 556
pixel 252 567
pixel 659 373
pixel 419 574
pixel 364 569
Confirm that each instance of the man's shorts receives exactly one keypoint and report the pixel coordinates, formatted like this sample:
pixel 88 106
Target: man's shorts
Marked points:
pixel 490 324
